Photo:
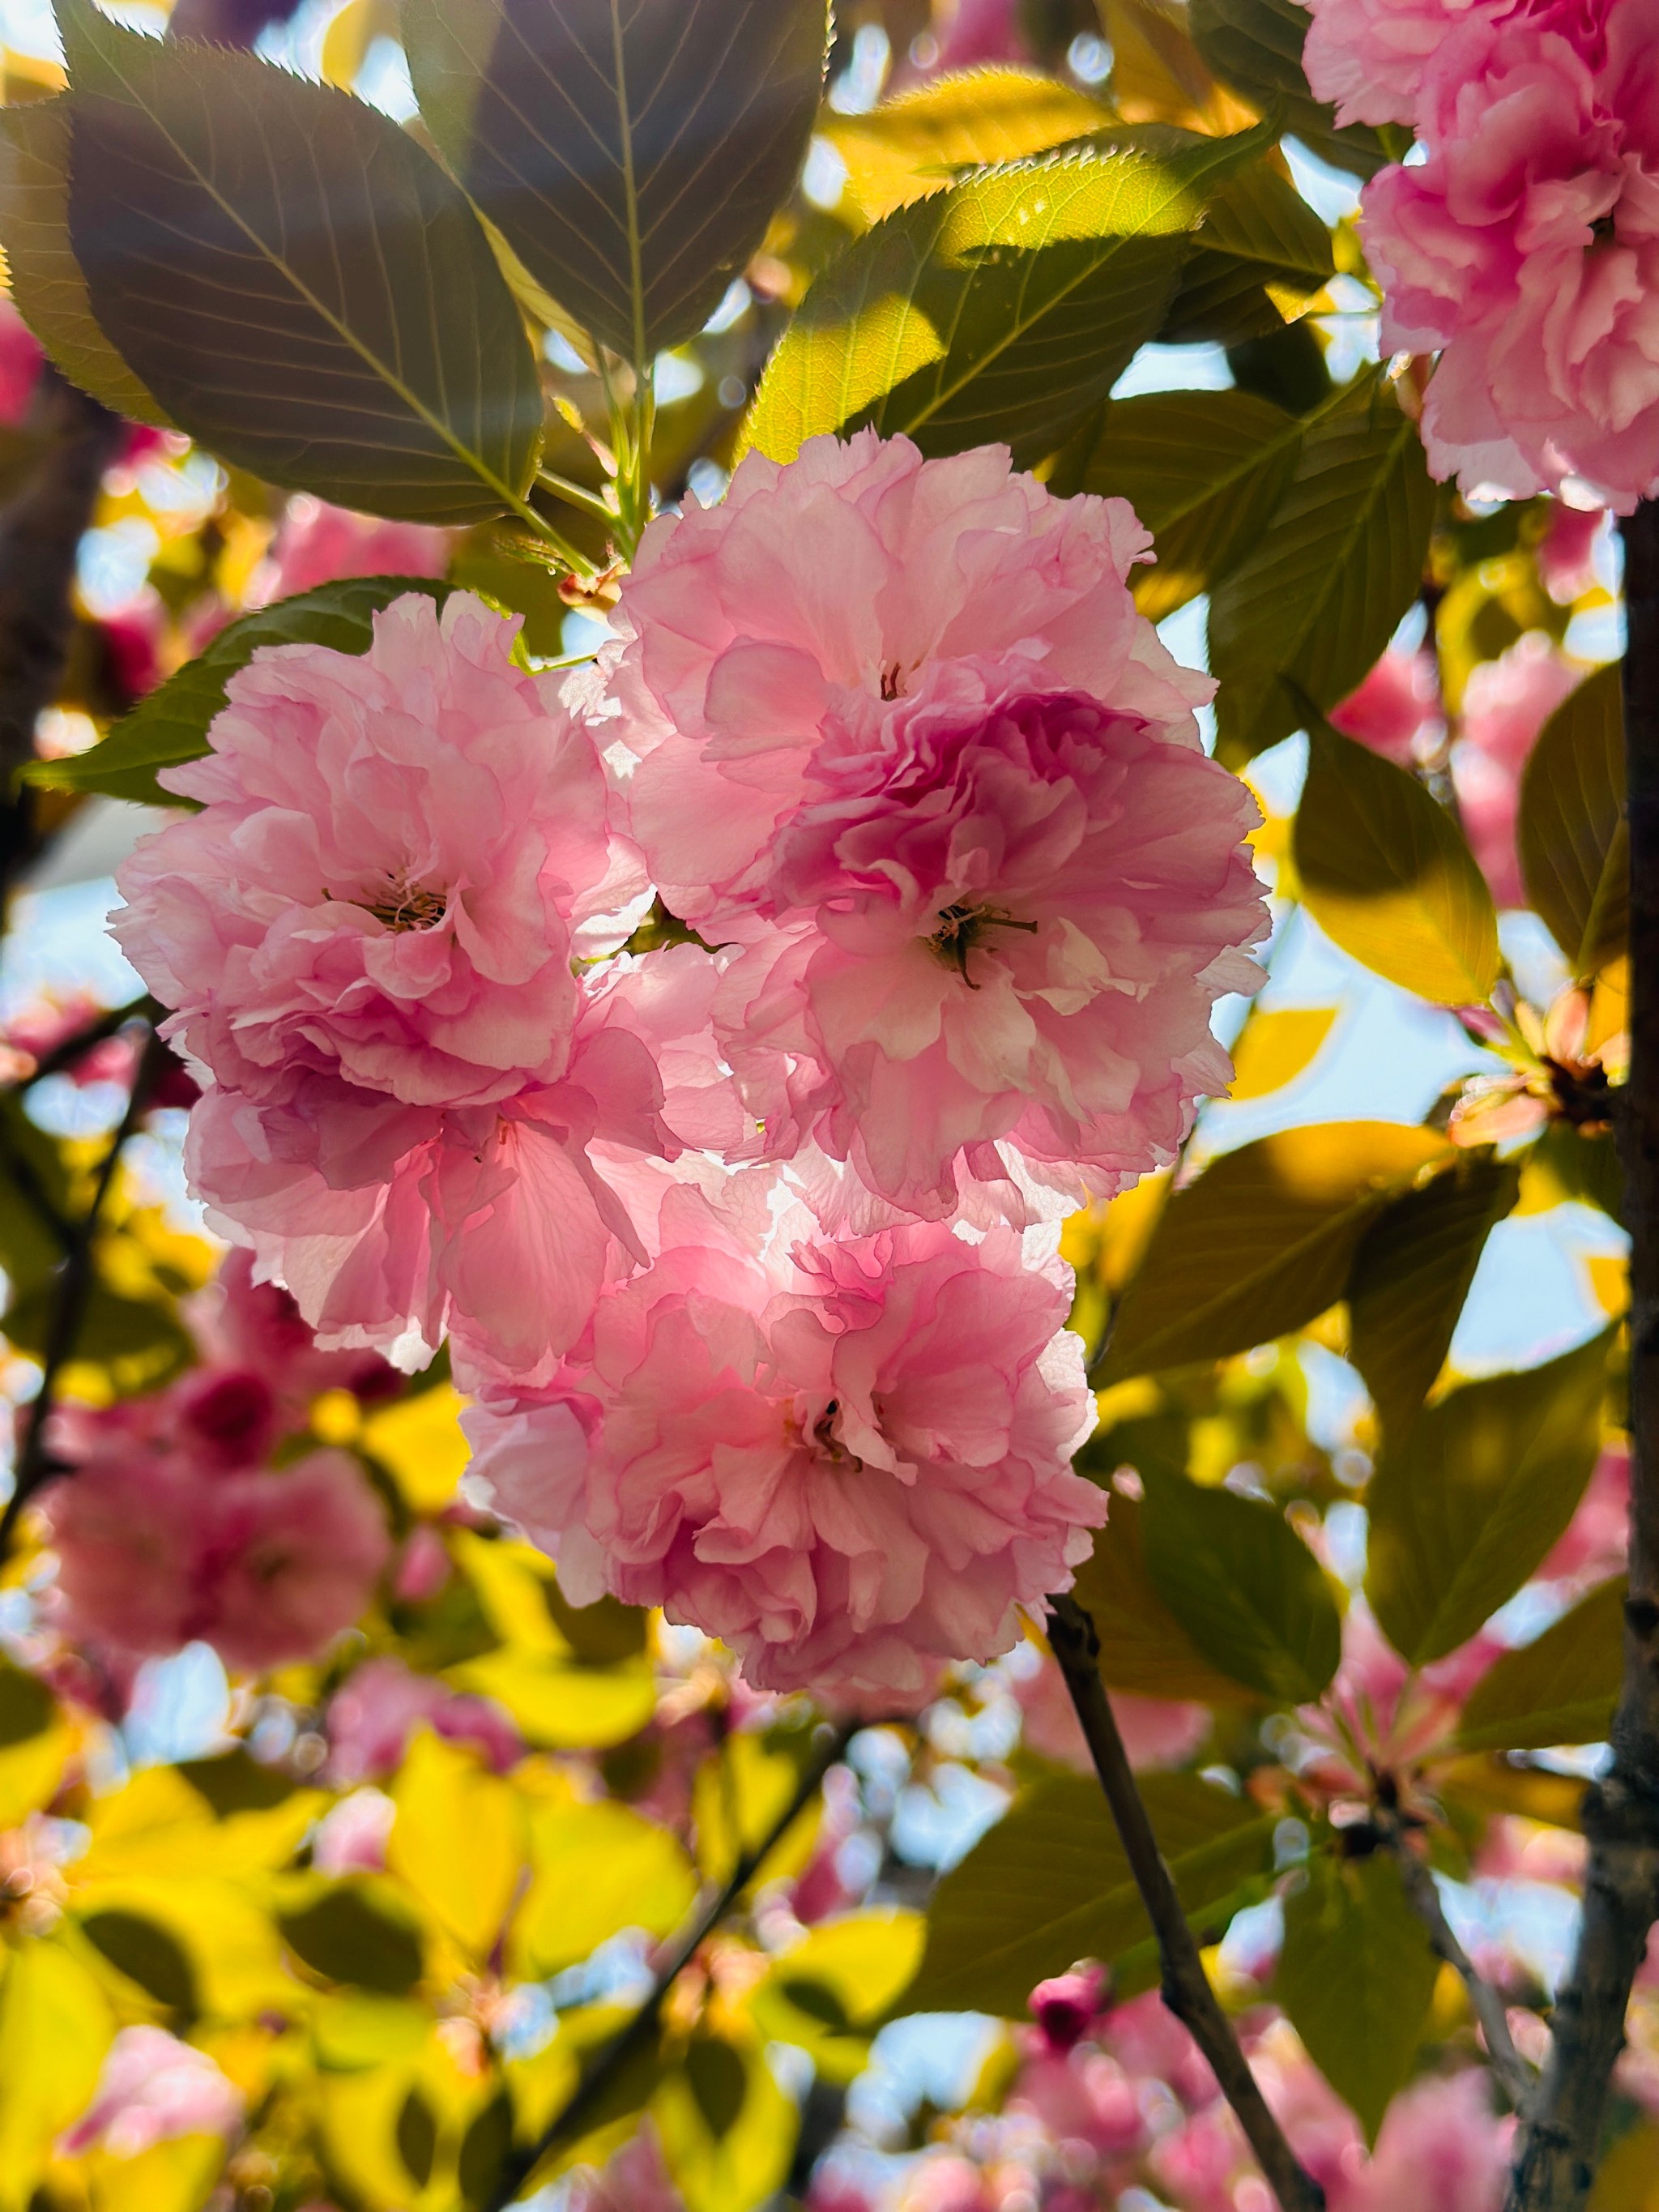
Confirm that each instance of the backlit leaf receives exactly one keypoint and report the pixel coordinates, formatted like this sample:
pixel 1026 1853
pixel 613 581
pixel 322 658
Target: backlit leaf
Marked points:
pixel 1158 73
pixel 1204 471
pixel 458 1841
pixel 599 1869
pixel 170 725
pixel 1356 1976
pixel 740 1791
pixel 1143 1647
pixel 1472 1498
pixel 914 145
pixel 631 152
pixel 55 2026
pixel 1387 873
pixel 1049 1885
pixel 1574 844
pixel 1244 1586
pixel 1410 1275
pixel 46 284
pixel 830 1992
pixel 1262 1242
pixel 1004 308
pixel 1560 1689
pixel 559 1703
pixel 1255 47
pixel 295 280
pixel 1275 1047
pixel 726 2127
pixel 1261 237
pixel 1333 574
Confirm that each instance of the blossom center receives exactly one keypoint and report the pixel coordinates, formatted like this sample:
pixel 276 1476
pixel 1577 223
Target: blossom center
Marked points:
pixel 827 1444
pixel 959 929
pixel 407 906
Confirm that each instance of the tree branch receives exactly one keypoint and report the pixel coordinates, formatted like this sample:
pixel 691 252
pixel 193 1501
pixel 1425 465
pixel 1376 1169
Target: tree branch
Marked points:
pixel 1511 2068
pixel 579 2111
pixel 76 1274
pixel 1560 2149
pixel 1187 1989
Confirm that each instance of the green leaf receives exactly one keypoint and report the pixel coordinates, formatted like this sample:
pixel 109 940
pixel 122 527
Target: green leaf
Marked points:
pixel 1245 1587
pixel 727 2131
pixel 170 725
pixel 1471 1500
pixel 295 280
pixel 484 2150
pixel 1334 571
pixel 1356 1976
pixel 1255 47
pixel 1004 308
pixel 1574 841
pixel 1412 1274
pixel 631 152
pixel 146 1954
pixel 1560 1689
pixel 1204 471
pixel 141 1342
pixel 830 1992
pixel 1049 1885
pixel 1388 875
pixel 46 284
pixel 360 1934
pixel 27 1708
pixel 1260 236
pixel 1262 1242
pixel 599 1869
pixel 1143 1647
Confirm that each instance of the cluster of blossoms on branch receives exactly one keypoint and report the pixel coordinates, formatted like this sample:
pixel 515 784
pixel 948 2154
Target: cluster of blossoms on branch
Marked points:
pixel 1523 247
pixel 744 1243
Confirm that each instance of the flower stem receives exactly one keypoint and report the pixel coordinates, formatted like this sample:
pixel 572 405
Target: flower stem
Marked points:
pixel 1560 2145
pixel 1187 1990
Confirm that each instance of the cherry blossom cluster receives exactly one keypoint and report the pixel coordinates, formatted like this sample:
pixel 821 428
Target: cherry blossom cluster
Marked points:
pixel 1524 247
pixel 707 1044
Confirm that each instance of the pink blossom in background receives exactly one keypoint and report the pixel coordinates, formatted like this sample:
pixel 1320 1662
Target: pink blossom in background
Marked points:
pixel 352 1836
pixel 984 883
pixel 1156 1732
pixel 980 32
pixel 1525 249
pixel 153 2089
pixel 1397 1717
pixel 1396 711
pixel 131 642
pixel 243 1323
pixel 1506 702
pixel 20 360
pixel 634 2179
pixel 318 543
pixel 1567 550
pixel 1442 2149
pixel 1597 1541
pixel 375 1712
pixel 846 1461
pixel 1370 57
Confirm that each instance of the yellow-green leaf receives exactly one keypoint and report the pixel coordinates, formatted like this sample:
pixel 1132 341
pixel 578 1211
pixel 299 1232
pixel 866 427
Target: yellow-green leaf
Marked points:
pixel 1561 1688
pixel 458 1841
pixel 599 1869
pixel 1275 1047
pixel 1573 839
pixel 560 1704
pixel 1387 873
pixel 55 2026
pixel 830 1992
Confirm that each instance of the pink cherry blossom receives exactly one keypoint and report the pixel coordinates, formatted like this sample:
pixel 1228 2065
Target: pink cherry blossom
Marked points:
pixel 247 1325
pixel 981 31
pixel 376 1710
pixel 634 2179
pixel 847 1461
pixel 319 544
pixel 1156 1732
pixel 153 2089
pixel 1506 702
pixel 1566 551
pixel 397 856
pixel 21 358
pixel 352 1836
pixel 1396 709
pixel 1441 2149
pixel 1370 57
pixel 1525 249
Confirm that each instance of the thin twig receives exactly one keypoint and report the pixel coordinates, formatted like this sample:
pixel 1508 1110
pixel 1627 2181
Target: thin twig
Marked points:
pixel 71 1049
pixel 1423 1893
pixel 1187 1990
pixel 77 1273
pixel 571 2120
pixel 1561 2142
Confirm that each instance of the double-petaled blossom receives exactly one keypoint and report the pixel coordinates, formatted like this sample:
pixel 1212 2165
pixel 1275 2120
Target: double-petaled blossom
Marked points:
pixel 1525 247
pixel 848 1461
pixel 1370 57
pixel 904 742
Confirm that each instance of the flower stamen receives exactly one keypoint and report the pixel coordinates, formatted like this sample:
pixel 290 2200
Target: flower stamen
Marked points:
pixel 959 930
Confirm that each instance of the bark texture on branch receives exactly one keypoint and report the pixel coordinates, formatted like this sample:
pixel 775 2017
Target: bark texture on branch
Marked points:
pixel 1187 1990
pixel 1560 2149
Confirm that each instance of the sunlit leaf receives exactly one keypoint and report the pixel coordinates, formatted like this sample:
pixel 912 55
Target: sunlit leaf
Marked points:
pixel 1049 1885
pixel 631 154
pixel 740 1791
pixel 1627 2180
pixel 917 143
pixel 55 2026
pixel 295 280
pixel 724 2125
pixel 34 1746
pixel 1158 73
pixel 458 1841
pixel 559 1703
pixel 1276 1047
pixel 1471 1500
pixel 597 1869
pixel 1411 1276
pixel 419 1440
pixel 1356 1976
pixel 170 725
pixel 1204 471
pixel 829 1993
pixel 1387 874
pixel 1331 576
pixel 1560 1689
pixel 1574 843
pixel 47 286
pixel 1244 1586
pixel 355 2029
pixel 1262 1242
pixel 1004 308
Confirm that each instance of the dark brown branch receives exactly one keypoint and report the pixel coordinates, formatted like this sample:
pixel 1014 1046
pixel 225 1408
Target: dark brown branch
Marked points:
pixel 1187 1990
pixel 40 534
pixel 76 1274
pixel 1560 2149
pixel 583 2105
pixel 1487 2003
